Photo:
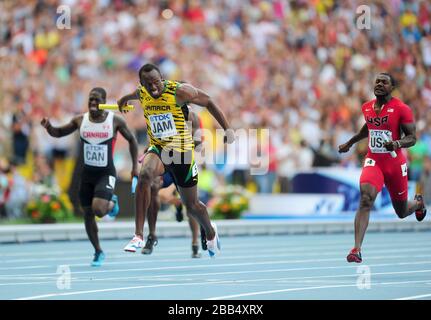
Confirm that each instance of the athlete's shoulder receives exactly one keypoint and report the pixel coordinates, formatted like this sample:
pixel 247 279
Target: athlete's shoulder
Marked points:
pixel 78 119
pixel 119 120
pixel 368 104
pixel 399 103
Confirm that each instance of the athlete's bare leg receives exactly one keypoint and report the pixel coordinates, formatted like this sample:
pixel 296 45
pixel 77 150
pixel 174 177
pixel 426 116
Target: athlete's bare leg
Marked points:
pixel 405 208
pixel 368 196
pixel 153 209
pixel 197 209
pixel 194 228
pixel 152 167
pixel 99 207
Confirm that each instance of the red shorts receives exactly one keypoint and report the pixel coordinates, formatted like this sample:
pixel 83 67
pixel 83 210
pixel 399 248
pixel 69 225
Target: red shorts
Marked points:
pixel 391 172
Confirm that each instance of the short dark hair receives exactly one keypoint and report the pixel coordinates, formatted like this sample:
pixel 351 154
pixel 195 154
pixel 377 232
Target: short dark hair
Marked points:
pixel 147 68
pixel 101 91
pixel 393 82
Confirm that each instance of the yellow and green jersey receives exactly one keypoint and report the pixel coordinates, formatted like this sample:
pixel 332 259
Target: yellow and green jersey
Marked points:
pixel 166 125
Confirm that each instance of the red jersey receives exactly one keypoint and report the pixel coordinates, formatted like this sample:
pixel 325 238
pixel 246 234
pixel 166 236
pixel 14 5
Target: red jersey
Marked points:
pixel 392 115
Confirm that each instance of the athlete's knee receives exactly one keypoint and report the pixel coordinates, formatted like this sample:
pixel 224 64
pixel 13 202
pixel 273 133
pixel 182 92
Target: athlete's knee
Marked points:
pixel 401 212
pixel 366 202
pixel 88 213
pixel 146 176
pixel 99 209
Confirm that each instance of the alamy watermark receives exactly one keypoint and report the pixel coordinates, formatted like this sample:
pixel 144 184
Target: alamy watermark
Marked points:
pixel 250 148
pixel 363 20
pixel 364 279
pixel 65 277
pixel 64 18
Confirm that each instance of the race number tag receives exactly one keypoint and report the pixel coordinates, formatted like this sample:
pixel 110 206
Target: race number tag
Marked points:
pixel 111 184
pixel 369 162
pixel 376 141
pixel 163 125
pixel 194 170
pixel 404 169
pixel 96 155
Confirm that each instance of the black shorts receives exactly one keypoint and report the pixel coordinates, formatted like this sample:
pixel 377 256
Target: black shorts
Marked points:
pixel 181 165
pixel 96 186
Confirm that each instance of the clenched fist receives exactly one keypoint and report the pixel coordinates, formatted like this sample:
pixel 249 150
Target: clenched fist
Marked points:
pixel 344 147
pixel 45 123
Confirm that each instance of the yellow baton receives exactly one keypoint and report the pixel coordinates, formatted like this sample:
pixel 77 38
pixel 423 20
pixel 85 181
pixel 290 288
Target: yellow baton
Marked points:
pixel 104 106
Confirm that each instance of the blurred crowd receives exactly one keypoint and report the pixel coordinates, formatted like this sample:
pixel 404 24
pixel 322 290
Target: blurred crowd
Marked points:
pixel 300 68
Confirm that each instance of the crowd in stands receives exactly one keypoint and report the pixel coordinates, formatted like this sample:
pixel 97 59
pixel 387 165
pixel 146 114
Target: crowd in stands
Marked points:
pixel 299 68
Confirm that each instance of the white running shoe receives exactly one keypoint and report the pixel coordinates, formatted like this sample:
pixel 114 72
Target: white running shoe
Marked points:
pixel 214 244
pixel 135 244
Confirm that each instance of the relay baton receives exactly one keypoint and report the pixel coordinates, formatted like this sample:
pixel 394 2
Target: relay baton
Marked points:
pixel 386 139
pixel 134 184
pixel 105 106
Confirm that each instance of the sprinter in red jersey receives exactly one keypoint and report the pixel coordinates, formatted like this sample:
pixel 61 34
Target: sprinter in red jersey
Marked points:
pixel 389 126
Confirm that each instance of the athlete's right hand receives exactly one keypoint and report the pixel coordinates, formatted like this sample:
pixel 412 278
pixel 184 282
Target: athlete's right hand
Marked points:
pixel 45 123
pixel 344 147
pixel 121 103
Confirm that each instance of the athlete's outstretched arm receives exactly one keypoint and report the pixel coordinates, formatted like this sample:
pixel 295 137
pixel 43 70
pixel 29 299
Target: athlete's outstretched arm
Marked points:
pixel 187 93
pixel 133 144
pixel 125 99
pixel 408 141
pixel 362 134
pixel 58 132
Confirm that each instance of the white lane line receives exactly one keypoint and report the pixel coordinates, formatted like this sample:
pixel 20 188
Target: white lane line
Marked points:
pixel 26 267
pixel 286 243
pixel 415 297
pixel 241 257
pixel 176 276
pixel 257 293
pixel 237 245
pixel 140 260
pixel 278 279
pixel 94 272
pixel 51 295
pixel 120 289
pixel 215 265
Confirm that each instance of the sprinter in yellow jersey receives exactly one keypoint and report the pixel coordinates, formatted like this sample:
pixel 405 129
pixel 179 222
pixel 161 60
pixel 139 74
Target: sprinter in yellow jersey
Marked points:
pixel 171 147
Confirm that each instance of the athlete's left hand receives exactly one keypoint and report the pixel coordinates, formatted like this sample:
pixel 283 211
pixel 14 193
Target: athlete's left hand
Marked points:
pixel 391 145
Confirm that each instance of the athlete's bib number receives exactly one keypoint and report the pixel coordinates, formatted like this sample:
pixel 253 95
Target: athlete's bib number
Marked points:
pixel 96 155
pixel 163 125
pixel 376 141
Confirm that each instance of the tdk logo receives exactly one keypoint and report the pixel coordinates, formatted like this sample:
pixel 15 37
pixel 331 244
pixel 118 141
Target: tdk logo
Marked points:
pixel 160 117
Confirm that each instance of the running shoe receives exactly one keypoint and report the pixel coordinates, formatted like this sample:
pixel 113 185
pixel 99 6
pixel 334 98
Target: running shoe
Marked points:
pixel 195 251
pixel 135 244
pixel 179 213
pixel 213 246
pixel 151 242
pixel 354 256
pixel 203 239
pixel 98 259
pixel 115 208
pixel 422 212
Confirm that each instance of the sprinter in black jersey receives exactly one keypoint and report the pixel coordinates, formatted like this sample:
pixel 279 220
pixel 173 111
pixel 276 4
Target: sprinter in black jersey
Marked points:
pixel 98 131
